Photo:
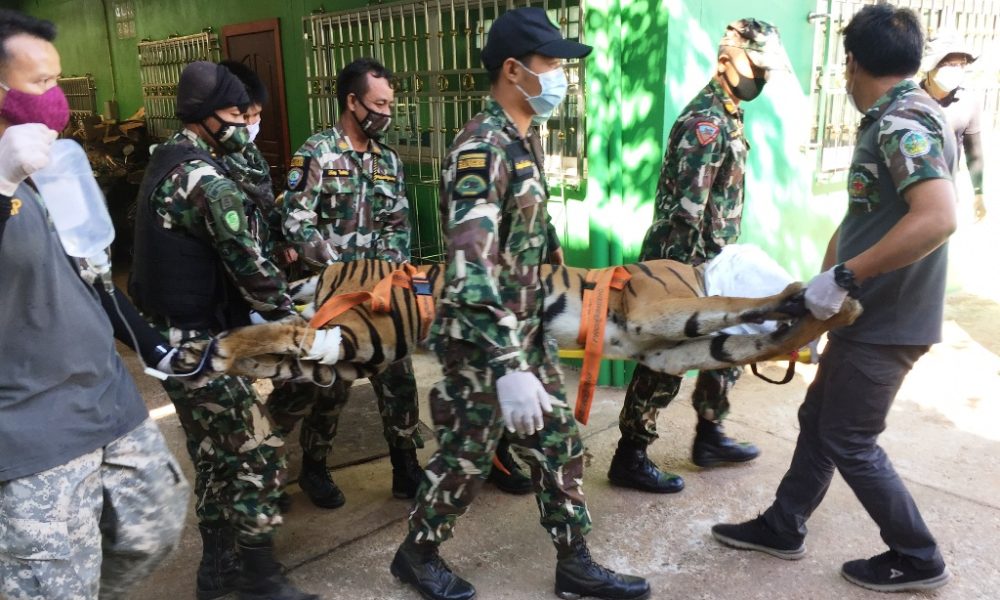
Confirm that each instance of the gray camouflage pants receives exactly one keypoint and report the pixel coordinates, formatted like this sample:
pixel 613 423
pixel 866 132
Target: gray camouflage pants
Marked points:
pixel 95 526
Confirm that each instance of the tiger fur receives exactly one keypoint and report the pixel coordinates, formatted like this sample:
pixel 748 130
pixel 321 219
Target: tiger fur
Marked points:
pixel 662 319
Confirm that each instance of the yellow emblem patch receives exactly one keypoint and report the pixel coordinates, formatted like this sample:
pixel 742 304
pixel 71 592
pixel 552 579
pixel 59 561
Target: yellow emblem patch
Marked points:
pixel 471 160
pixel 470 185
pixel 297 161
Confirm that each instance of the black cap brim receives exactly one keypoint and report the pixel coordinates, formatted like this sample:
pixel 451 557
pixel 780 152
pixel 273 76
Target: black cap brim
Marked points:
pixel 563 49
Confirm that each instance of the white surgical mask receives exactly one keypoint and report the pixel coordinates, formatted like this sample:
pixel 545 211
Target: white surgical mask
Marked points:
pixel 253 130
pixel 554 88
pixel 949 78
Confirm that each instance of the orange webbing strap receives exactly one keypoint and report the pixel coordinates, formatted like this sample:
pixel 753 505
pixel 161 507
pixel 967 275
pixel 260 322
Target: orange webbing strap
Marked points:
pixel 406 276
pixel 593 318
pixel 338 305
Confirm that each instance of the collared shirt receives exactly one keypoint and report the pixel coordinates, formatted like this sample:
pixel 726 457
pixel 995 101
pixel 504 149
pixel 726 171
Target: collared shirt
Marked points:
pixel 493 214
pixel 903 139
pixel 341 204
pixel 199 201
pixel 699 198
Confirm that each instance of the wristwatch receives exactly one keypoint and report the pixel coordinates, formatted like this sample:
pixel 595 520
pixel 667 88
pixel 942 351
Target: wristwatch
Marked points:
pixel 844 277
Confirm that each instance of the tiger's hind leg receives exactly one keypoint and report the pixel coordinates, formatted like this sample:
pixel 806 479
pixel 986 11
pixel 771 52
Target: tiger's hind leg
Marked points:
pixel 723 350
pixel 686 318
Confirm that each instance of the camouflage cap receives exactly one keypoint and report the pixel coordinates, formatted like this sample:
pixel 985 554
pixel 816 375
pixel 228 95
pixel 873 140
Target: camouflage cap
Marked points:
pixel 761 42
pixel 943 43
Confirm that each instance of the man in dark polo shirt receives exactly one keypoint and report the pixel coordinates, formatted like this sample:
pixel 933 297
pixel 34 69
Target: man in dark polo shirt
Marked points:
pixel 890 252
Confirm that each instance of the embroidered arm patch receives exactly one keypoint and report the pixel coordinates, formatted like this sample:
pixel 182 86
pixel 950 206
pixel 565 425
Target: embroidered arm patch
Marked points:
pixel 706 132
pixel 298 167
pixel 471 174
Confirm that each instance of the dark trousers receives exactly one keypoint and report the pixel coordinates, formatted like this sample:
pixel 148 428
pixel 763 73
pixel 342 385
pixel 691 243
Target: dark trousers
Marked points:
pixel 840 420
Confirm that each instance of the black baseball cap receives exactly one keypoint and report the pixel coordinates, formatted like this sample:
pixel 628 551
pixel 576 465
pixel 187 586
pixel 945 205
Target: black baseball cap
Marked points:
pixel 527 30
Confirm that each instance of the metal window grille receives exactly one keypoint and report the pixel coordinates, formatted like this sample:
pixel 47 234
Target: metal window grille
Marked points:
pixel 433 49
pixel 124 11
pixel 835 121
pixel 80 93
pixel 160 66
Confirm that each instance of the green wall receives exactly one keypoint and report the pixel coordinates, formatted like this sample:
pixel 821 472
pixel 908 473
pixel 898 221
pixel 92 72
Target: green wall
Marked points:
pixel 83 41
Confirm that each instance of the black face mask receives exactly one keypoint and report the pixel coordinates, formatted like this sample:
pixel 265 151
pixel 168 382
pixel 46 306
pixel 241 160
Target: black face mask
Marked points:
pixel 747 88
pixel 375 124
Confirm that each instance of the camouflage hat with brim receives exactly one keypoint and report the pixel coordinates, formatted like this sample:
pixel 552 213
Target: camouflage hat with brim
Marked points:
pixel 943 43
pixel 761 42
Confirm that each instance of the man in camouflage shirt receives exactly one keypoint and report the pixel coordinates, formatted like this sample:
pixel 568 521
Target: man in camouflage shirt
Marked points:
pixel 498 366
pixel 346 201
pixel 698 209
pixel 890 252
pixel 199 270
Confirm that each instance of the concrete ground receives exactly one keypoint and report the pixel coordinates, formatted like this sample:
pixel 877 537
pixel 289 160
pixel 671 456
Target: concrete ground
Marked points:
pixel 943 436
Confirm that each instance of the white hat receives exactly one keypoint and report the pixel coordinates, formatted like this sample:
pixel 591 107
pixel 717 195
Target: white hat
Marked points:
pixel 944 42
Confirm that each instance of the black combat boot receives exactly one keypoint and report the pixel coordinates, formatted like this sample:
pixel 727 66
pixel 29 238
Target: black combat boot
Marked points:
pixel 630 467
pixel 406 472
pixel 261 577
pixel 220 568
pixel 712 447
pixel 578 576
pixel 316 482
pixel 506 474
pixel 420 565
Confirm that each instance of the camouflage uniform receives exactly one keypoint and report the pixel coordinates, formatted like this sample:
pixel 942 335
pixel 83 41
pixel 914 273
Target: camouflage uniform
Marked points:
pixel 239 461
pixel 251 172
pixel 95 525
pixel 489 322
pixel 699 205
pixel 342 205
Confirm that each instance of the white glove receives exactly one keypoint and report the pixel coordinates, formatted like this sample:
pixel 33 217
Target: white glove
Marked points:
pixel 823 296
pixel 23 150
pixel 522 400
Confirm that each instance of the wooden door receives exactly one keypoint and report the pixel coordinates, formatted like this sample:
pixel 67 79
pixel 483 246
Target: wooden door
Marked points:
pixel 258 45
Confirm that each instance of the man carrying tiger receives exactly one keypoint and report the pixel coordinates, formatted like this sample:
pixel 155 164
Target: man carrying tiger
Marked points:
pixel 345 201
pixel 498 367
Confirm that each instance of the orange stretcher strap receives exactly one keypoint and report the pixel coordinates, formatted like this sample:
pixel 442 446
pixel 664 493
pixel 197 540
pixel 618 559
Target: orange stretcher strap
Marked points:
pixel 406 276
pixel 593 318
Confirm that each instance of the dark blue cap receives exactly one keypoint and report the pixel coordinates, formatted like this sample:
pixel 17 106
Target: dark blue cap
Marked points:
pixel 524 31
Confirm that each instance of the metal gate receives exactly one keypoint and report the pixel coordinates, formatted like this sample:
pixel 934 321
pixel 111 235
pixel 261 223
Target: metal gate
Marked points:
pixel 835 120
pixel 433 48
pixel 160 66
pixel 80 94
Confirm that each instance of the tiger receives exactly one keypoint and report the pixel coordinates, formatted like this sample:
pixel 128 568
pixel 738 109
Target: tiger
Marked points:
pixel 662 318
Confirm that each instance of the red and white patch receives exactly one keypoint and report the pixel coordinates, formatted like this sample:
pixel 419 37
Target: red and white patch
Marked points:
pixel 706 132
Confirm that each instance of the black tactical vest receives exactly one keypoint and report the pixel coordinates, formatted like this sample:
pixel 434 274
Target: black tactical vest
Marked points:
pixel 176 277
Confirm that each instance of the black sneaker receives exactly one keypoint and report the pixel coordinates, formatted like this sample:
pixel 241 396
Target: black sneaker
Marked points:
pixel 758 535
pixel 893 572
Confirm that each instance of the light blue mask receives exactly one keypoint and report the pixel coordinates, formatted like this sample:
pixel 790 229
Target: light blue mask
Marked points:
pixel 554 88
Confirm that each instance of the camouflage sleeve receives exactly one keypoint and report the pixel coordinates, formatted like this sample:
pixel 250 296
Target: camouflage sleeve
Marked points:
pixel 911 143
pixel 260 282
pixel 393 243
pixel 474 183
pixel 300 209
pixel 700 149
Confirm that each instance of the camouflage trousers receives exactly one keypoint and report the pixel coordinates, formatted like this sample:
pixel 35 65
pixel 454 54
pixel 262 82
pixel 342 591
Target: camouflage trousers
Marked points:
pixel 649 391
pixel 468 422
pixel 239 462
pixel 94 526
pixel 319 409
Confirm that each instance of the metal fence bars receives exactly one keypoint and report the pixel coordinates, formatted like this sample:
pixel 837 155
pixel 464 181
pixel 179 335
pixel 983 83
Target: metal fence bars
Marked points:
pixel 433 48
pixel 81 94
pixel 160 66
pixel 835 120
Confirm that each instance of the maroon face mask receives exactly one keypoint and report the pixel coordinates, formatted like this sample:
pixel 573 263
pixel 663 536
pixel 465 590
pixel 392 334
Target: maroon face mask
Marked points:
pixel 50 108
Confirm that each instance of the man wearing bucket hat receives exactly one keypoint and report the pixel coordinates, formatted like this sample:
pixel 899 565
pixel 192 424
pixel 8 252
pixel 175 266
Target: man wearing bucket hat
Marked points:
pixel 946 56
pixel 199 270
pixel 698 209
pixel 498 369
